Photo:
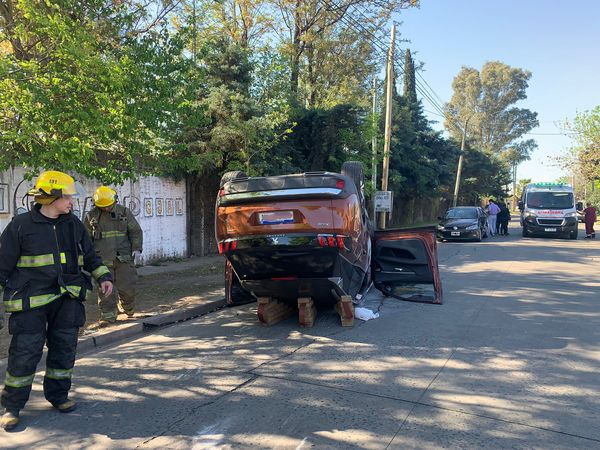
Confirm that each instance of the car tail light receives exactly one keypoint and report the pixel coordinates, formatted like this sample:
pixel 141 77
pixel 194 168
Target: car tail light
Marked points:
pixel 225 246
pixel 221 192
pixel 332 241
pixel 340 184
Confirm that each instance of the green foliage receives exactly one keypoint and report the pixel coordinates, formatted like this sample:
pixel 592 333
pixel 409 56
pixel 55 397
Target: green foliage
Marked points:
pixel 486 102
pixel 322 139
pixel 521 185
pixel 81 102
pixel 421 161
pixel 586 127
pixel 483 176
pixel 105 89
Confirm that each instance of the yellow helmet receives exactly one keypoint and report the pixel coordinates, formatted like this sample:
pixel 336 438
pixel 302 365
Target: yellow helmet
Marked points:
pixel 52 184
pixel 104 197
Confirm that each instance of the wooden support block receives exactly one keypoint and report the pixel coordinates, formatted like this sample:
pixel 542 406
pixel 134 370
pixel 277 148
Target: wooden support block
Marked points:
pixel 307 312
pixel 345 309
pixel 270 311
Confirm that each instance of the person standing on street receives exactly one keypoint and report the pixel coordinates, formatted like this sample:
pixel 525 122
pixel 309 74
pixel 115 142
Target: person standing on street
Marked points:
pixel 493 211
pixel 502 218
pixel 589 217
pixel 42 257
pixel 118 238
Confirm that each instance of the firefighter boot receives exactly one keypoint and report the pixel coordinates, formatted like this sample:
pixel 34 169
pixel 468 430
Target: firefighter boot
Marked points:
pixel 66 407
pixel 10 419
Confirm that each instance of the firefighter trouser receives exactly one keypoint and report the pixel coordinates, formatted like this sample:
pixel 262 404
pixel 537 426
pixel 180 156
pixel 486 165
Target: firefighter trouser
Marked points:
pixel 123 295
pixel 57 324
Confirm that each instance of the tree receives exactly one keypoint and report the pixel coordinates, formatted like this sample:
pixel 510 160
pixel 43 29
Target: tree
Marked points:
pixel 85 87
pixel 243 22
pixel 306 23
pixel 485 100
pixel 586 132
pixel 515 155
pixel 521 185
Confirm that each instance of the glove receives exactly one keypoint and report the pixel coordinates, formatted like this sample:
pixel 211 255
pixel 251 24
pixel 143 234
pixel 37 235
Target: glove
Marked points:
pixel 136 256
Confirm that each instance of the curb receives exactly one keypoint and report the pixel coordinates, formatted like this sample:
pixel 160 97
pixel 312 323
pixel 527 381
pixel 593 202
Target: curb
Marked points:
pixel 127 330
pixel 181 315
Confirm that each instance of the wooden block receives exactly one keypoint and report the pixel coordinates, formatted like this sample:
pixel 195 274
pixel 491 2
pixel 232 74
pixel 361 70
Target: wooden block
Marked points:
pixel 307 312
pixel 345 309
pixel 270 311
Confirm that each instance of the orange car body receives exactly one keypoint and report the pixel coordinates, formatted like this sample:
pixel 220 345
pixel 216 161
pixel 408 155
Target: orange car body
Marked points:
pixel 301 235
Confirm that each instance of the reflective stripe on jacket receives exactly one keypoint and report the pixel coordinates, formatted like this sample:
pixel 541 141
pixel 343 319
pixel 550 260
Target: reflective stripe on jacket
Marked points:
pixel 41 260
pixel 116 233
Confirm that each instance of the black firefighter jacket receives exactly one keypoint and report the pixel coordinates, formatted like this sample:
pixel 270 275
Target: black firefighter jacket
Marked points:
pixel 41 260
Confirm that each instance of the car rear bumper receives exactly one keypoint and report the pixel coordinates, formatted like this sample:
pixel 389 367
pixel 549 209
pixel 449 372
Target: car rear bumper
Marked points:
pixel 463 235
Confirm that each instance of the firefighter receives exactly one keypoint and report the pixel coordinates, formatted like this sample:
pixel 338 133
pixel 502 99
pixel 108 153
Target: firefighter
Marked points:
pixel 42 254
pixel 118 240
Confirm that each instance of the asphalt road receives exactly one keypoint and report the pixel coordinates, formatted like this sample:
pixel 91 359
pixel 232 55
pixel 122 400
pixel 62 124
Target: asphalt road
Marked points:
pixel 511 360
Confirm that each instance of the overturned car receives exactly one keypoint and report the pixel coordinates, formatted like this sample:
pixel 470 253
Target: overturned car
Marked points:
pixel 309 235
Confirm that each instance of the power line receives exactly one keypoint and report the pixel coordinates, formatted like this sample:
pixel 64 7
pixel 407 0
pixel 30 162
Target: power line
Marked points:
pixel 425 91
pixel 381 46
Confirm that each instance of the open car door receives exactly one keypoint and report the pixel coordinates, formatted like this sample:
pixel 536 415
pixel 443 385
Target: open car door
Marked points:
pixel 405 265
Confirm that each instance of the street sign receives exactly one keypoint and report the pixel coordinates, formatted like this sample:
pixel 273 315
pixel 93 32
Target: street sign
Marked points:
pixel 383 201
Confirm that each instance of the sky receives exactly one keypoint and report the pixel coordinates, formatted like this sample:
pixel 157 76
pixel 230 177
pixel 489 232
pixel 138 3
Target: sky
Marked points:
pixel 557 41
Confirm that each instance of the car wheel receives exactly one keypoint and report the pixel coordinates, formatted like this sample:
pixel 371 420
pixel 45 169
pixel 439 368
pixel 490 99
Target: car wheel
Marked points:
pixel 387 290
pixel 229 176
pixel 354 170
pixel 484 233
pixel 478 238
pixel 524 231
pixel 573 234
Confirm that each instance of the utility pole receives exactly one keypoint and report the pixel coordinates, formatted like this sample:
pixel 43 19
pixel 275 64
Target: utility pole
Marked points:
pixel 460 162
pixel 514 175
pixel 388 122
pixel 374 143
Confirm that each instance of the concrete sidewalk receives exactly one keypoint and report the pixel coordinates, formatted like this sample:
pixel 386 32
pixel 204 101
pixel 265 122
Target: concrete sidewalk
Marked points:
pixel 200 304
pixel 180 265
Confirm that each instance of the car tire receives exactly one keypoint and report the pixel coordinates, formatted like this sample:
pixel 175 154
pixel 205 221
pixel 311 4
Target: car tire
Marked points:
pixel 479 237
pixel 354 170
pixel 232 175
pixel 524 231
pixel 573 235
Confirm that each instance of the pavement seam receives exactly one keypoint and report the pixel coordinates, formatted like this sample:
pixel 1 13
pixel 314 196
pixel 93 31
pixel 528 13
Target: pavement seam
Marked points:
pixel 195 409
pixel 416 403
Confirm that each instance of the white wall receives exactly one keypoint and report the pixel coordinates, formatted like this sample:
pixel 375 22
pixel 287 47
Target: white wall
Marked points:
pixel 164 235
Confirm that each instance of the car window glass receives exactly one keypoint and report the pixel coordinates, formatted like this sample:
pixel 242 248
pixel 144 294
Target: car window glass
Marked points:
pixel 461 213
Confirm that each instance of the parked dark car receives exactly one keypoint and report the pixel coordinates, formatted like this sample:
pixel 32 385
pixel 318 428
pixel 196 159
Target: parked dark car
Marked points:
pixel 309 235
pixel 463 223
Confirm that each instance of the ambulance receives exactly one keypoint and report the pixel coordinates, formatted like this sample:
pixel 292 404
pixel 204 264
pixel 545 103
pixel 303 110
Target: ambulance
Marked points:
pixel 548 209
